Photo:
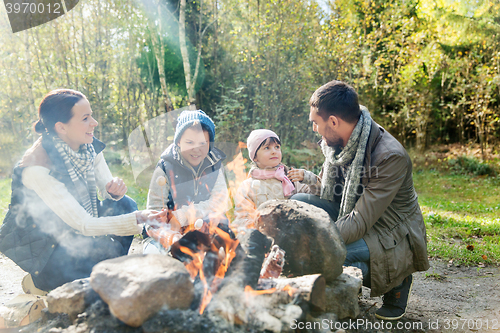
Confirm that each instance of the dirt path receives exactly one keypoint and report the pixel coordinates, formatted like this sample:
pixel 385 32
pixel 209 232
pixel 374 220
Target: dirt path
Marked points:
pixel 10 279
pixel 446 298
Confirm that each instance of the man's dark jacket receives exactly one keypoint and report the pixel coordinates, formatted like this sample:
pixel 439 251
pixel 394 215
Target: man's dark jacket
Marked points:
pixel 387 215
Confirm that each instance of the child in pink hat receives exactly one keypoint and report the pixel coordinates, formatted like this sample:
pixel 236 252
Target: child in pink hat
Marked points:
pixel 268 178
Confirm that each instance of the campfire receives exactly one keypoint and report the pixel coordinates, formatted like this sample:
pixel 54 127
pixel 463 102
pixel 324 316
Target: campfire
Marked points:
pixel 239 277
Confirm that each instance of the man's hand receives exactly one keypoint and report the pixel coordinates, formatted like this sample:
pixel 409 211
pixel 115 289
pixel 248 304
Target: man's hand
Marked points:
pixel 116 188
pixel 296 175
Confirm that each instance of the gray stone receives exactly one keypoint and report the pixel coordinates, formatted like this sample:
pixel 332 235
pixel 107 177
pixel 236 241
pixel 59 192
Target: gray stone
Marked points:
pixel 328 321
pixel 136 287
pixel 72 298
pixel 290 317
pixel 316 325
pixel 265 322
pixel 308 235
pixel 227 303
pixel 342 294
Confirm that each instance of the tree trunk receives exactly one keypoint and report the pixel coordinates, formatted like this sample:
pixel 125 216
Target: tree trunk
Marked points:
pixel 184 52
pixel 29 77
pixel 216 44
pixel 479 122
pixel 159 52
pixel 62 53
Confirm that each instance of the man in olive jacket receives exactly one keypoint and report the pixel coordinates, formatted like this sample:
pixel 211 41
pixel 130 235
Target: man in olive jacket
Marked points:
pixel 367 188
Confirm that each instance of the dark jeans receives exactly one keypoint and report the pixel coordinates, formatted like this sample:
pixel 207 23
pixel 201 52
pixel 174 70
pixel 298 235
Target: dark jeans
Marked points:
pixel 358 254
pixel 76 262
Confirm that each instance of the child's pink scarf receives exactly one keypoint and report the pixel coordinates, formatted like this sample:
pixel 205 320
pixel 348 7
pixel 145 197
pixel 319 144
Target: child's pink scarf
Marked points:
pixel 279 174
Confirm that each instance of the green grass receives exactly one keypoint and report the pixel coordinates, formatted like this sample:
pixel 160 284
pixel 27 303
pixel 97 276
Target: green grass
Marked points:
pixel 435 276
pixel 462 194
pixel 136 190
pixel 461 213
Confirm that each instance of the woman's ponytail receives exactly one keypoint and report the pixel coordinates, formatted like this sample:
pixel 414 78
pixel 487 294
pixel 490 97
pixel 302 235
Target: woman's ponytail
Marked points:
pixel 39 127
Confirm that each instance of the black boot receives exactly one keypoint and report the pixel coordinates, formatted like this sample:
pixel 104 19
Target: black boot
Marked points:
pixel 395 301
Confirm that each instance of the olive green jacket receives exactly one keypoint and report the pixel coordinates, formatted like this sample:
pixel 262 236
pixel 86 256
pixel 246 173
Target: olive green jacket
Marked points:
pixel 387 215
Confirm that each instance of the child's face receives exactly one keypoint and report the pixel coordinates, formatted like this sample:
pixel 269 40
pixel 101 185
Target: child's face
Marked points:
pixel 268 156
pixel 194 145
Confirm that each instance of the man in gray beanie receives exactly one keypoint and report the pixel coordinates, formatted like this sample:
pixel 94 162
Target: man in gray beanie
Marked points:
pixel 367 189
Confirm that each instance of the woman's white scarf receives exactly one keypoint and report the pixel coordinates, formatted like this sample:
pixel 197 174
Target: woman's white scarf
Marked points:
pixel 354 152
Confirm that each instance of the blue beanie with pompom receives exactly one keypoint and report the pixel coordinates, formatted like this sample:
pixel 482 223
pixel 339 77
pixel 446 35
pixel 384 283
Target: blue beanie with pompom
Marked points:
pixel 187 118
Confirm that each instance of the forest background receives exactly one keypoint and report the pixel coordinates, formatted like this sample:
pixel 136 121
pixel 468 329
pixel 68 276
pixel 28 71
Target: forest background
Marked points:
pixel 428 70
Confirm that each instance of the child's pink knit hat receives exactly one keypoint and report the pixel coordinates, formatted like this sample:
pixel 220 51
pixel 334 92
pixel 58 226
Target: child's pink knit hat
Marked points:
pixel 256 137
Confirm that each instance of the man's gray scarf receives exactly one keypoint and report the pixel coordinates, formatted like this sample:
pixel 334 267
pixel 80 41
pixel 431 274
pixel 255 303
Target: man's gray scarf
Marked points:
pixel 80 166
pixel 354 152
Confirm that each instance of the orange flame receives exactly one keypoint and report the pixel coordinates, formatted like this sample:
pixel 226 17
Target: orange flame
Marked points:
pixel 188 228
pixel 231 246
pixel 207 297
pixel 195 266
pixel 190 214
pixel 237 173
pixel 196 263
pixel 251 291
pixel 291 291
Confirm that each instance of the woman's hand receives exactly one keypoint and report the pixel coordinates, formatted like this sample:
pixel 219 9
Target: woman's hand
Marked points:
pixel 296 175
pixel 151 216
pixel 116 188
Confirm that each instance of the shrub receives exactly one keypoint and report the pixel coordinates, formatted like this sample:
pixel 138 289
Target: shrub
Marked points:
pixel 467 165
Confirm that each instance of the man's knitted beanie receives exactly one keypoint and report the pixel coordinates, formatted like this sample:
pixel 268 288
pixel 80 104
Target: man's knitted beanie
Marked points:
pixel 187 118
pixel 255 138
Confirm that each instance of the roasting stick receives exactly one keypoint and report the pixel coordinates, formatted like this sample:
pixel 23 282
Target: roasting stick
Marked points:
pixel 161 181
